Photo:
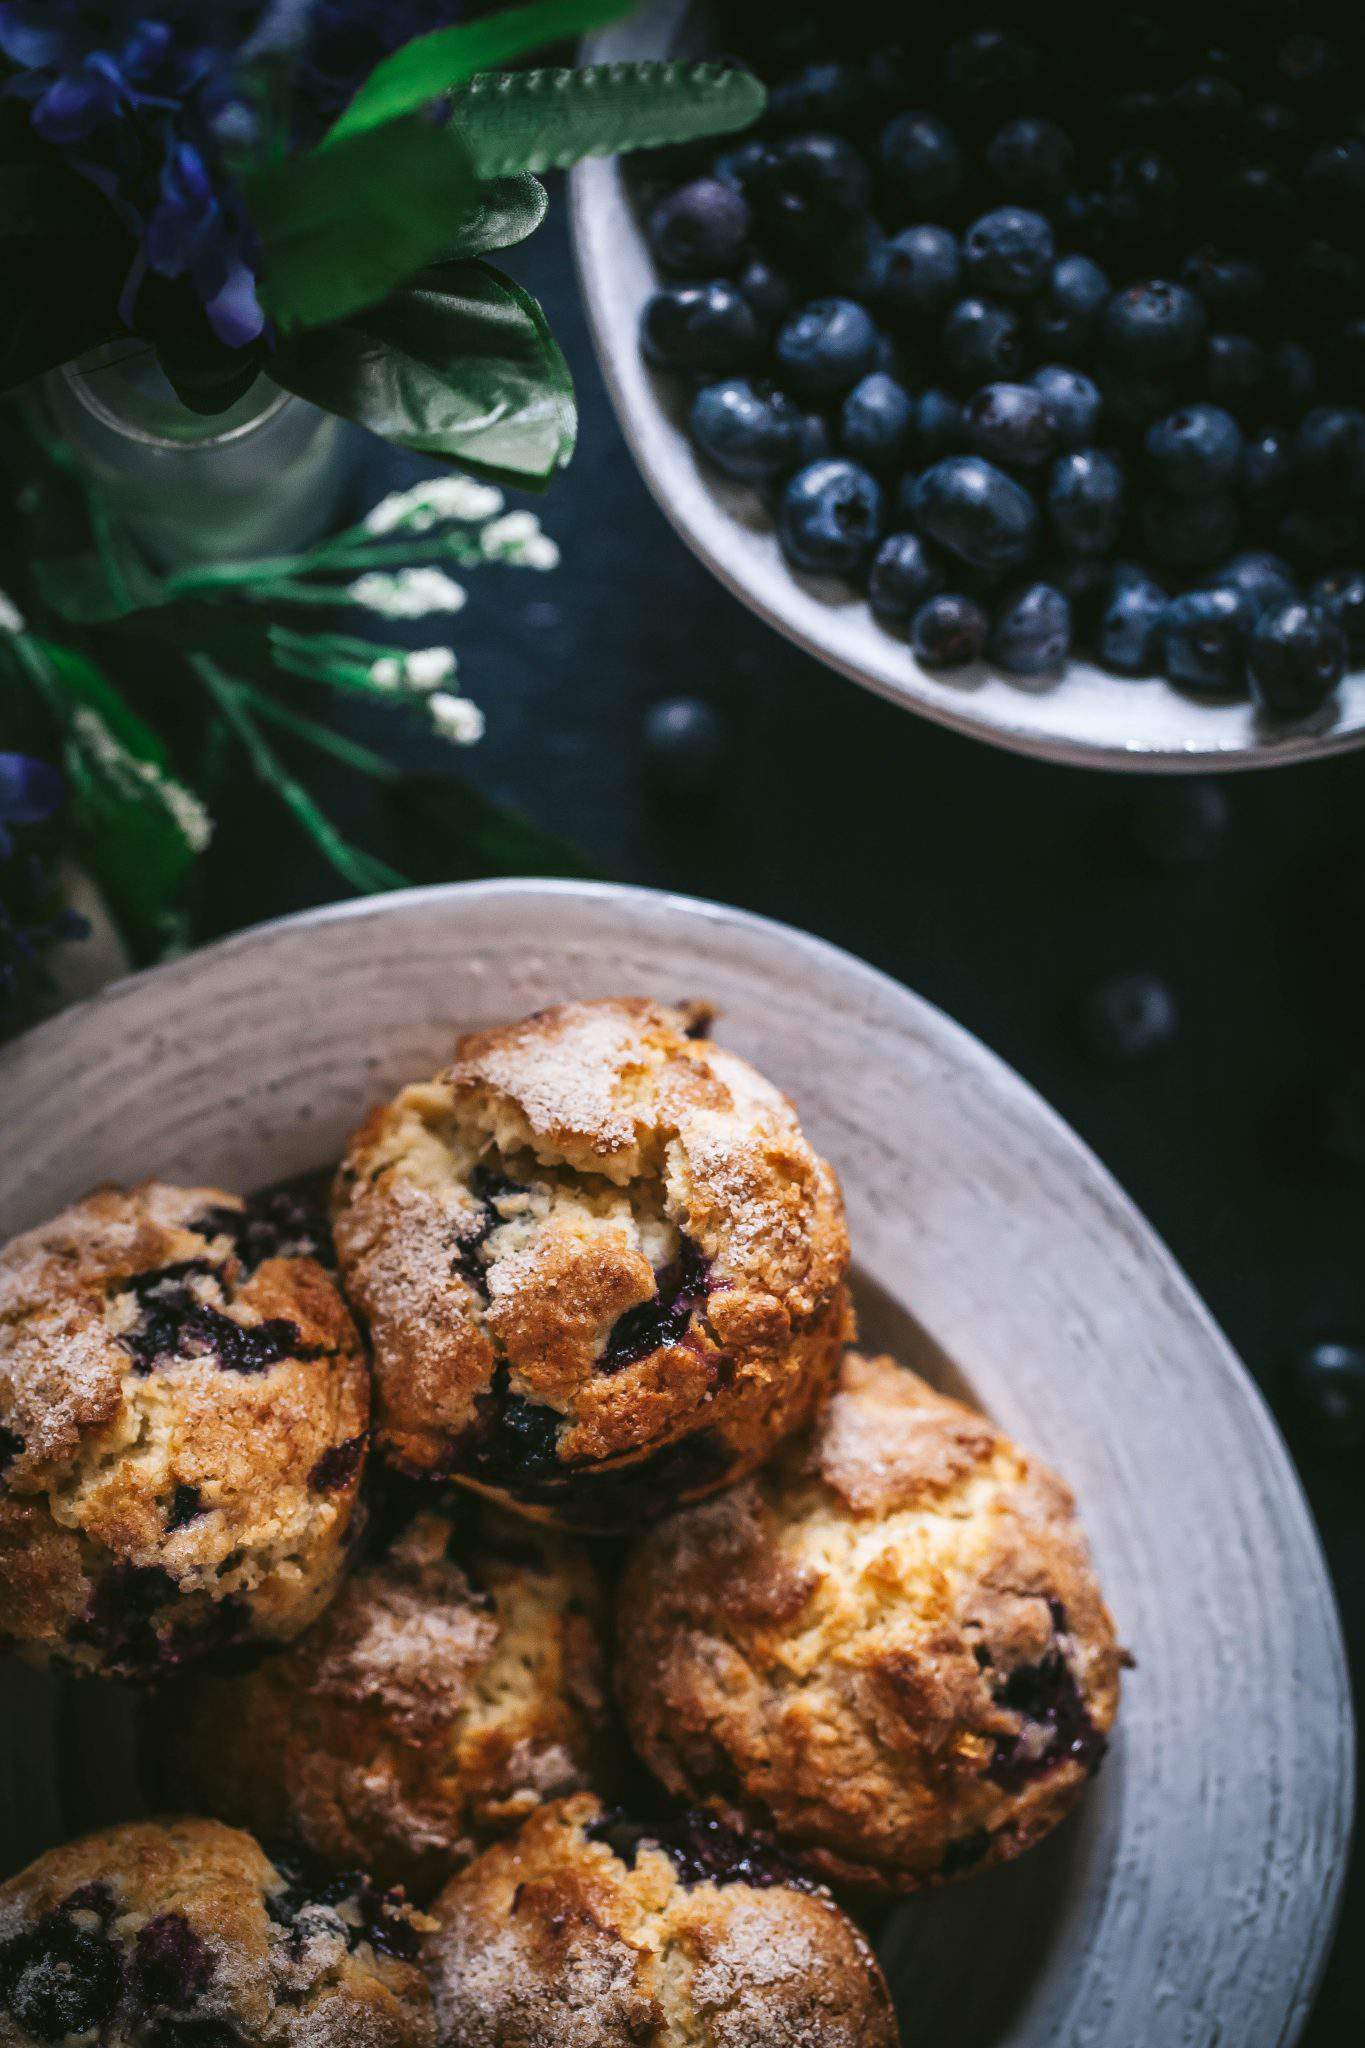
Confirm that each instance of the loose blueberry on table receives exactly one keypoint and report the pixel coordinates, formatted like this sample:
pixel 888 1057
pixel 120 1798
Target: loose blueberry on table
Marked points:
pixel 1051 338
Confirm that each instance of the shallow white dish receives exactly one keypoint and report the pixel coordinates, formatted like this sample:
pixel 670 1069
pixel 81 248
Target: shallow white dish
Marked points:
pixel 1193 1896
pixel 1087 717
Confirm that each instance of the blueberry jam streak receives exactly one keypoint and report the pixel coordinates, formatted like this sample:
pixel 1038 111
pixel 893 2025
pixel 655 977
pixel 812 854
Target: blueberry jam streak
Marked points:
pixel 680 1291
pixel 348 1903
pixel 274 1225
pixel 57 1978
pixel 126 1621
pixel 489 1187
pixel 701 1848
pixel 1047 1696
pixel 337 1466
pixel 173 1323
pixel 187 1504
pixel 170 1965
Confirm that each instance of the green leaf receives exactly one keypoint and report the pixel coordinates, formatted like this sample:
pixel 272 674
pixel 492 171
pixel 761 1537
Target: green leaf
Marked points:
pixel 435 63
pixel 449 832
pixel 339 229
pixel 460 365
pixel 500 213
pixel 546 120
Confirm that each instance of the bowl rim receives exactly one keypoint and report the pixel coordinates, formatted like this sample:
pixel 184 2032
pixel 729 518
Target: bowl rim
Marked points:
pixel 1222 737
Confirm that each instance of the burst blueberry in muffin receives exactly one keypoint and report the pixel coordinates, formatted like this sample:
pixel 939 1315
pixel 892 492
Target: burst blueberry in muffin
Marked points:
pixel 889 1648
pixel 601 1266
pixel 455 1682
pixel 183 1415
pixel 586 1929
pixel 184 1934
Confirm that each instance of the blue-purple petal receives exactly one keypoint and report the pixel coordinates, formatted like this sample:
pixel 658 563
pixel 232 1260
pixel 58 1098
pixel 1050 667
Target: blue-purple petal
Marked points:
pixel 234 311
pixel 29 790
pixel 74 106
pixel 26 40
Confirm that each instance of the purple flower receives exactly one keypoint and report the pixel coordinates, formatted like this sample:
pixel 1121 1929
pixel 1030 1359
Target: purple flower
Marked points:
pixel 31 916
pixel 29 792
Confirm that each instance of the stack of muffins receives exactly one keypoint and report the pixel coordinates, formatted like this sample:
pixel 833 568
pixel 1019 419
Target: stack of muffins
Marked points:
pixel 549 1608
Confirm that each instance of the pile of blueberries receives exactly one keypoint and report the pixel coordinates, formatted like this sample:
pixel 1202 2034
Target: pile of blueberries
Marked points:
pixel 1050 335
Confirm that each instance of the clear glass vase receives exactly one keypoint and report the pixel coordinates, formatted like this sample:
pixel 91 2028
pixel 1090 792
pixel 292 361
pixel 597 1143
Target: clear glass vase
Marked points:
pixel 266 477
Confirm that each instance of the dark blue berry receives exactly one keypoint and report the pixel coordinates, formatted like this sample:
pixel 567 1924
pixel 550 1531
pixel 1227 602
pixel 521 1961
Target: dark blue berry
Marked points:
pixel 921 274
pixel 749 430
pixel 825 348
pixel 740 166
pixel 854 265
pixel 824 94
pixel 1267 471
pixel 1032 631
pixel 921 161
pixel 1190 533
pixel 1236 372
pixel 1195 451
pixel 1065 314
pixel 1128 639
pixel 809 193
pixel 1010 423
pixel 684 745
pixel 876 422
pixel 1318 537
pixel 1293 378
pixel 767 292
pixel 949 631
pixel 1253 203
pixel 1032 160
pixel 1329 455
pixel 702 327
pixel 1334 179
pixel 701 230
pixel 1342 596
pixel 1132 402
pixel 1009 253
pixel 1084 583
pixel 1260 579
pixel 1207 109
pixel 1231 286
pixel 58 1979
pixel 1085 498
pixel 1326 280
pixel 1141 194
pixel 905 574
pixel 1203 638
pixel 1296 656
pixel 1129 1017
pixel 1326 1383
pixel 1273 129
pixel 830 518
pixel 976 512
pixel 1153 327
pixel 1073 400
pixel 982 342
pixel 939 428
pixel 988 66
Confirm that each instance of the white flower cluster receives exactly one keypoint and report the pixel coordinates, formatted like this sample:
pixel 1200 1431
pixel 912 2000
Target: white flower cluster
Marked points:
pixel 455 719
pixel 517 538
pixel 11 618
pixel 192 821
pixel 424 668
pixel 427 504
pixel 411 594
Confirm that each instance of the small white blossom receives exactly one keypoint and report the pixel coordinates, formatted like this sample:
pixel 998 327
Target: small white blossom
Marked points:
pixel 425 667
pixel 127 772
pixel 387 672
pixel 11 618
pixel 517 538
pixel 411 594
pixel 456 719
pixel 426 504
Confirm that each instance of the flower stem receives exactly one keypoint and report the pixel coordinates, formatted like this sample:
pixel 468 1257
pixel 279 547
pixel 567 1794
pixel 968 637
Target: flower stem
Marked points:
pixel 350 752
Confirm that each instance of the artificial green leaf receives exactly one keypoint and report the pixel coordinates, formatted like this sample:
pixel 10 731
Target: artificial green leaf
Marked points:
pixel 462 365
pixel 340 229
pixel 449 832
pixel 434 63
pixel 87 590
pixel 499 213
pixel 545 120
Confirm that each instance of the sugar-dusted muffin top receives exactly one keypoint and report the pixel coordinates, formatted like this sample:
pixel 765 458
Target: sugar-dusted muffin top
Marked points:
pixel 184 1934
pixel 889 1647
pixel 601 1266
pixel 585 1930
pixel 454 1683
pixel 183 1414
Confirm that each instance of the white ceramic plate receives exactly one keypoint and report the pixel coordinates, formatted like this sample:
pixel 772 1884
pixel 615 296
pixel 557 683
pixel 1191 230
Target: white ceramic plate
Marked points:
pixel 1089 718
pixel 1192 1898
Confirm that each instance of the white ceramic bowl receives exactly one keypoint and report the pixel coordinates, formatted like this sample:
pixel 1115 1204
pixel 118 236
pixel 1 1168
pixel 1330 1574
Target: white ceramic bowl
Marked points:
pixel 1192 1897
pixel 1087 717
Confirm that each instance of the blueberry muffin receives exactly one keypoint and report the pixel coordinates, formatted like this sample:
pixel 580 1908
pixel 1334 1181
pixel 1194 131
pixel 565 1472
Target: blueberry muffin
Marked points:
pixel 601 1266
pixel 184 1934
pixel 583 1929
pixel 889 1648
pixel 455 1683
pixel 183 1413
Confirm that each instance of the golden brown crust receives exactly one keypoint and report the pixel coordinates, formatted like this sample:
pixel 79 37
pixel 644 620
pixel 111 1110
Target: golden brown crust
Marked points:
pixel 182 1929
pixel 613 1233
pixel 453 1685
pixel 183 1407
pixel 555 1937
pixel 889 1648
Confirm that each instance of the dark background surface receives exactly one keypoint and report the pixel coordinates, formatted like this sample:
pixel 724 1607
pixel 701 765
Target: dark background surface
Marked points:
pixel 999 888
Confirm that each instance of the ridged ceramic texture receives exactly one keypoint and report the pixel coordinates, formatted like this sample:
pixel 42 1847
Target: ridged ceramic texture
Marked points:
pixel 1086 717
pixel 1191 1900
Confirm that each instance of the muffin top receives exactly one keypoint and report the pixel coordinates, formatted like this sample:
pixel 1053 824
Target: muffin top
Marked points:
pixel 183 1414
pixel 184 1934
pixel 889 1647
pixel 592 1236
pixel 454 1683
pixel 587 1930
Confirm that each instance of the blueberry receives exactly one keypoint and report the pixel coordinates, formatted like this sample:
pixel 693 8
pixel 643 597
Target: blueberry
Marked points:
pixel 1141 194
pixel 1318 537
pixel 823 94
pixel 1231 286
pixel 1273 129
pixel 854 265
pixel 749 430
pixel 1253 202
pixel 1073 400
pixel 1084 583
pixel 876 422
pixel 1190 533
pixel 701 230
pixel 921 274
pixel 1129 637
pixel 703 327
pixel 1207 108
pixel 830 518
pixel 949 631
pixel 767 292
pixel 1010 423
pixel 58 1979
pixel 825 348
pixel 1296 656
pixel 1342 596
pixel 1129 1017
pixel 741 166
pixel 814 440
pixel 1065 314
pixel 989 66
pixel 1334 179
pixel 922 162
pixel 1195 451
pixel 1260 579
pixel 1031 159
pixel 976 512
pixel 809 193
pixel 684 746
pixel 1009 252
pixel 1325 280
pixel 1329 455
pixel 1267 470
pixel 1132 403
pixel 905 574
pixel 1153 327
pixel 1236 372
pixel 982 341
pixel 1032 632
pixel 1326 1383
pixel 1346 356
pixel 1293 377
pixel 939 427
pixel 1202 640
pixel 1308 62
pixel 1085 494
